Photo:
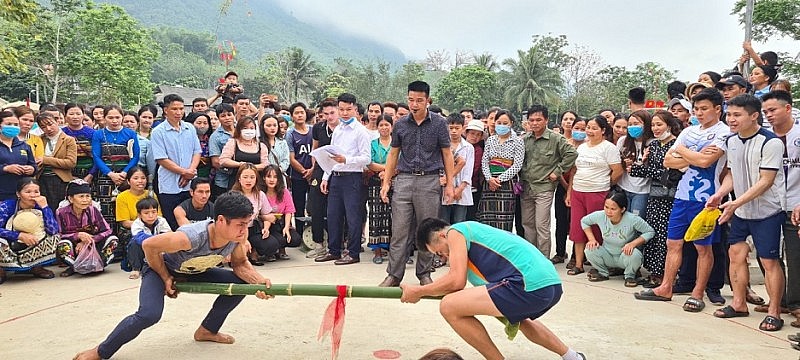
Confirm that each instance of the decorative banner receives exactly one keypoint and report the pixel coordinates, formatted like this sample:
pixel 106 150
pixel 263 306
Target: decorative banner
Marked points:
pixel 226 53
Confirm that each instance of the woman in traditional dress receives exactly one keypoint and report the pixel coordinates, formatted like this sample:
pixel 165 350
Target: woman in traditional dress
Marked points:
pixel 28 232
pixel 502 159
pixel 84 167
pixel 380 213
pixel 81 224
pixel 114 156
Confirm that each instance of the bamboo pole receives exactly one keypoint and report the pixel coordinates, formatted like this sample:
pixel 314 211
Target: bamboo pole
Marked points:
pixel 293 290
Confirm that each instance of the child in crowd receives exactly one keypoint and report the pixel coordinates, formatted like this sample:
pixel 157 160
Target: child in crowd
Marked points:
pixel 280 199
pixel 81 223
pixel 148 223
pixel 126 212
pixel 464 152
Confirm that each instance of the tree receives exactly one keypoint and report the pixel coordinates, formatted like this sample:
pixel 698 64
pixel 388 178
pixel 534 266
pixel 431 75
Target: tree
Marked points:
pixel 531 80
pixel 437 60
pixel 466 86
pixel 111 56
pixel 301 71
pixel 610 85
pixel 411 71
pixel 772 17
pixel 486 61
pixel 582 66
pixel 14 14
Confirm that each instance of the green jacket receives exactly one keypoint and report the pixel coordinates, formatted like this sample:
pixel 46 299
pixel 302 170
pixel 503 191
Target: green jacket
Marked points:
pixel 547 154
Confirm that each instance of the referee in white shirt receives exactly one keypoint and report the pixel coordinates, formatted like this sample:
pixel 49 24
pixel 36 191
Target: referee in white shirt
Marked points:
pixel 344 186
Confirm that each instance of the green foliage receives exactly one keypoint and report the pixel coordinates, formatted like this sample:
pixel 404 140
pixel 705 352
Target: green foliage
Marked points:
pixel 772 17
pixel 531 80
pixel 14 14
pixel 466 86
pixel 609 87
pixel 111 56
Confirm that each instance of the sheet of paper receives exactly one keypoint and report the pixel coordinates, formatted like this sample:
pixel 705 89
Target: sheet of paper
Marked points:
pixel 323 156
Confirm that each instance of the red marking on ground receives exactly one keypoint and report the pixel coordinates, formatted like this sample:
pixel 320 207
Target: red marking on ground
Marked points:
pixel 386 354
pixel 66 303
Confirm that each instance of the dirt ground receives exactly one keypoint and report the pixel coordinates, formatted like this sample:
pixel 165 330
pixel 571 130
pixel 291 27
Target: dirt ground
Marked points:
pixel 53 319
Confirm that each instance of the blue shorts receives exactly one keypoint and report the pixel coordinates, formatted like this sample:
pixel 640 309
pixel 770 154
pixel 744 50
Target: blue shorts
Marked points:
pixel 683 212
pixel 516 304
pixel 766 234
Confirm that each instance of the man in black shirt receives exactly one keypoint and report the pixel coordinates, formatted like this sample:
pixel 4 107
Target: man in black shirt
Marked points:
pixel 318 202
pixel 198 207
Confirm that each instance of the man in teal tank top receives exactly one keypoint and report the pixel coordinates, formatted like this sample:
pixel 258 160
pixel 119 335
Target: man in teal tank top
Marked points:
pixel 511 278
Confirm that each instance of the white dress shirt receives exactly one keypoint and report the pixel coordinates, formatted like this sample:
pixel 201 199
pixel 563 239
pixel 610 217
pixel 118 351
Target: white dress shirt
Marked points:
pixel 354 140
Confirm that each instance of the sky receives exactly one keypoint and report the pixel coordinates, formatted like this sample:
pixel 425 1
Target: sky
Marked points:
pixel 688 36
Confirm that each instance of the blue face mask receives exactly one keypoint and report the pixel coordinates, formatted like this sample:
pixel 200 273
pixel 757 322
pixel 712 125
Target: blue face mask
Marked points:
pixel 10 131
pixel 502 129
pixel 693 120
pixel 635 131
pixel 579 135
pixel 348 121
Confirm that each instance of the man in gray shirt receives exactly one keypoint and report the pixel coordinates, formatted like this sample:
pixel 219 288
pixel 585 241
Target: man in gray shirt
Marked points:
pixel 192 252
pixel 424 140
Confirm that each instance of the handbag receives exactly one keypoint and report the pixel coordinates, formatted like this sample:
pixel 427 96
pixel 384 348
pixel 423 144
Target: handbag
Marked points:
pixel 660 191
pixel 88 261
pixel 518 187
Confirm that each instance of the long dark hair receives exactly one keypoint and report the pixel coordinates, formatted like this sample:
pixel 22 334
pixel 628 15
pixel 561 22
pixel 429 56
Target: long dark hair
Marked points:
pixel 259 180
pixel 280 185
pixel 629 144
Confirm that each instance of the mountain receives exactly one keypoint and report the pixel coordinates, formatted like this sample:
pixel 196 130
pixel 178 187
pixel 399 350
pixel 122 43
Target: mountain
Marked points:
pixel 258 27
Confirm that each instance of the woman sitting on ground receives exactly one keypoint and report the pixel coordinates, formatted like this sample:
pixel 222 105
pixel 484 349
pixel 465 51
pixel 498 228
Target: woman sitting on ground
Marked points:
pixel 82 223
pixel 280 199
pixel 249 183
pixel 622 233
pixel 28 232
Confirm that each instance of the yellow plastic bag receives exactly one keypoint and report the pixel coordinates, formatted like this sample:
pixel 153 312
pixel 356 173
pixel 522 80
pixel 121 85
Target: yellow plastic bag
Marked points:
pixel 703 224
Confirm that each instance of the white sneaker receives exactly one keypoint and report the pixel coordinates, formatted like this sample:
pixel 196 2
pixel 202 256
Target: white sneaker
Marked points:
pixel 317 251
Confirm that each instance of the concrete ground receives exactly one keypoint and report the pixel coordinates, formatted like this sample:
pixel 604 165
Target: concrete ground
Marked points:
pixel 53 319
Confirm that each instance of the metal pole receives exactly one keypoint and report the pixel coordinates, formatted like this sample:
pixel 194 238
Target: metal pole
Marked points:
pixel 748 33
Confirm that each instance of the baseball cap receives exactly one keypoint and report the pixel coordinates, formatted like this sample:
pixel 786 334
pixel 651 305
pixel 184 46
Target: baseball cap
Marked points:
pixel 475 125
pixel 229 73
pixel 732 80
pixel 685 103
pixel 690 89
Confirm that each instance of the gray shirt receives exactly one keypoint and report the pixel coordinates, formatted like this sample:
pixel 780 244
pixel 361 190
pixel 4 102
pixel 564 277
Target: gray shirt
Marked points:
pixel 421 145
pixel 201 256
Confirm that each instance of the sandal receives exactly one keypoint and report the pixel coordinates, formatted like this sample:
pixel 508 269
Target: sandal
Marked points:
pixel 753 298
pixel 795 323
pixel 283 256
pixel 777 324
pixel 575 271
pixel 651 282
pixel 67 272
pixel 794 337
pixel 571 264
pixel 597 277
pixel 256 262
pixel 271 258
pixel 650 295
pixel 631 283
pixel 729 312
pixel 765 309
pixel 42 273
pixel 134 275
pixel 377 260
pixel 694 305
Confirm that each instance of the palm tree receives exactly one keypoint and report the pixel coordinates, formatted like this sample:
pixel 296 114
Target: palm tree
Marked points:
pixel 532 80
pixel 301 71
pixel 487 61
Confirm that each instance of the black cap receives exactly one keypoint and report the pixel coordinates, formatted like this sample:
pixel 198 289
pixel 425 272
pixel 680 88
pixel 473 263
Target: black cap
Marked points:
pixel 732 80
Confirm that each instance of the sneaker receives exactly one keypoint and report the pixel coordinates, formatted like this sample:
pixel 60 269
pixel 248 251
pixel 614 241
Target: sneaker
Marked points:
pixel 316 252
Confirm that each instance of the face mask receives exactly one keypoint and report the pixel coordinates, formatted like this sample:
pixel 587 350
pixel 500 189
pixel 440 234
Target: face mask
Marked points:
pixel 270 111
pixel 202 130
pixel 348 121
pixel 10 131
pixel 635 131
pixel 248 134
pixel 579 135
pixel 693 120
pixel 502 129
pixel 664 135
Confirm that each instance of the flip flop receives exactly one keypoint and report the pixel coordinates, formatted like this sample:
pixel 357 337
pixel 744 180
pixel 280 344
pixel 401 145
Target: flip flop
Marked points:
pixel 794 337
pixel 575 271
pixel 777 324
pixel 650 295
pixel 765 308
pixel 753 298
pixel 694 305
pixel 729 312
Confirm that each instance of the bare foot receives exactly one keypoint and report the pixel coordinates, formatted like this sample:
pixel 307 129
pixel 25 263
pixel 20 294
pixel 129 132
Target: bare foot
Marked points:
pixel 90 354
pixel 134 275
pixel 202 334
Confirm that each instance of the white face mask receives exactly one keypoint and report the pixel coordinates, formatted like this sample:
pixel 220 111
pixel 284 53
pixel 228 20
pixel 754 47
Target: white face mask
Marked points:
pixel 664 135
pixel 248 134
